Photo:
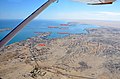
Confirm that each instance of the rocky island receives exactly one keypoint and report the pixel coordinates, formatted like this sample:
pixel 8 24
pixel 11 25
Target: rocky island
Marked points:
pixel 95 55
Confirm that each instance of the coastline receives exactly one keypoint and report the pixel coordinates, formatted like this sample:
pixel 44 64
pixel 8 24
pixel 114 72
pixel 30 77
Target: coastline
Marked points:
pixel 102 23
pixel 94 55
pixel 64 28
pixel 5 29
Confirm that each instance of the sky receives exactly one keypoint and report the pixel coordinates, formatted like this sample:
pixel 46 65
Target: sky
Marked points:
pixel 64 9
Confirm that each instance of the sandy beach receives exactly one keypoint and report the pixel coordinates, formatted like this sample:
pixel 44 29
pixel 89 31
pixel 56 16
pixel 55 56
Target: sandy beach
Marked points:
pixel 95 55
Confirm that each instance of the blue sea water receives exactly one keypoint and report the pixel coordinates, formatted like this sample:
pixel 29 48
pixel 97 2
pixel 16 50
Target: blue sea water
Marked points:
pixel 41 26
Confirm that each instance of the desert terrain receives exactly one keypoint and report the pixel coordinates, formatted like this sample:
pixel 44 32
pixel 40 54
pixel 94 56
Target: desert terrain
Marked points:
pixel 94 55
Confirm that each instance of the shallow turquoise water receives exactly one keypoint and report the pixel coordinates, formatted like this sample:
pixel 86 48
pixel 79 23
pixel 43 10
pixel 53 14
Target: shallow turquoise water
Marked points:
pixel 42 26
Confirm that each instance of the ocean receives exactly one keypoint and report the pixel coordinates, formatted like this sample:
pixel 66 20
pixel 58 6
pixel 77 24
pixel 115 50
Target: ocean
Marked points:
pixel 37 26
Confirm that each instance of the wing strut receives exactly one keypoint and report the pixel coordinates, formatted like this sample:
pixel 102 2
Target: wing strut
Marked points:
pixel 9 36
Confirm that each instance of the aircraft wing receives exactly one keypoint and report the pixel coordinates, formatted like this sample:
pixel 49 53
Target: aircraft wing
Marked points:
pixel 96 2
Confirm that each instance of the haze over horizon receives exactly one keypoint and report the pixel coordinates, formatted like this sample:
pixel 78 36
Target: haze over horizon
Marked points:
pixel 64 9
